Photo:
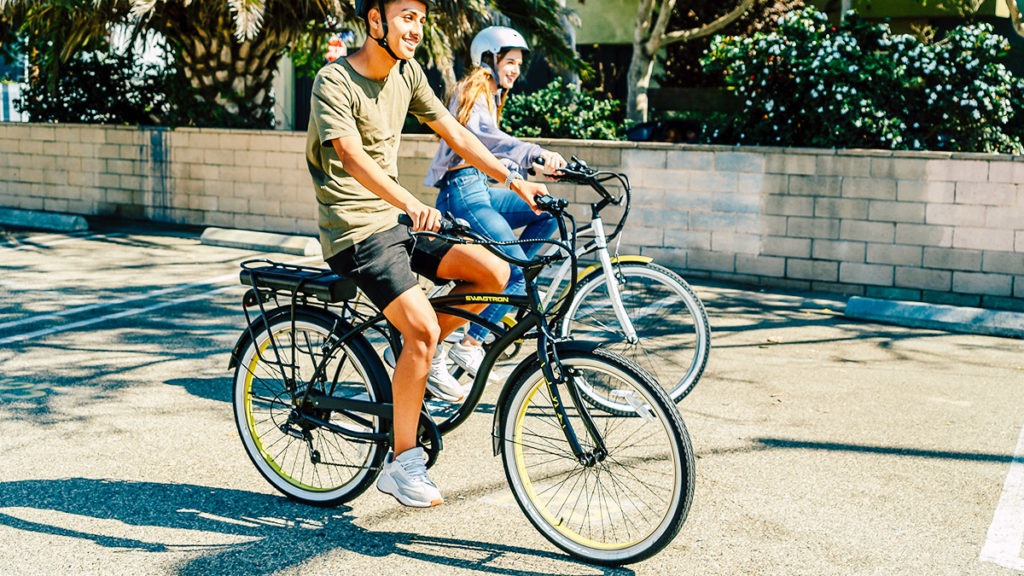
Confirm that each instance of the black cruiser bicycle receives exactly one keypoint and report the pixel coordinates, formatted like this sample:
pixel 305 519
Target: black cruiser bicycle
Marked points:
pixel 312 403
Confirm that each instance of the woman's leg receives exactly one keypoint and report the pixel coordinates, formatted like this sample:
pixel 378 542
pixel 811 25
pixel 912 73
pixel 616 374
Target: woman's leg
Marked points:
pixel 519 215
pixel 466 195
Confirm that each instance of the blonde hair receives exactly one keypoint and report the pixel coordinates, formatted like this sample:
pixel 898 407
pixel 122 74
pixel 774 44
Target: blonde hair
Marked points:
pixel 471 88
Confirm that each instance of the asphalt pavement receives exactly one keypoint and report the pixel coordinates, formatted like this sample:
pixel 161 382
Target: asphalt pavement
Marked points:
pixel 826 444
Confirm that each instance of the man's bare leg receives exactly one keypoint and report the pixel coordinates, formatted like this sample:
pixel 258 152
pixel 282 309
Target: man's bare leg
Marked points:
pixel 422 329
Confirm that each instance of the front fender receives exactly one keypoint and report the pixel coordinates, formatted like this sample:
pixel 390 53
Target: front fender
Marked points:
pixel 595 268
pixel 531 363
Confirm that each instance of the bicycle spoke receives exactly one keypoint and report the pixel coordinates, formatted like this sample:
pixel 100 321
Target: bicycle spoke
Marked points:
pixel 302 450
pixel 621 504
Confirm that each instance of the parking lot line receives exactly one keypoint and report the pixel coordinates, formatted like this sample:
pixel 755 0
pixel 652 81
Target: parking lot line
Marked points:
pixel 115 316
pixel 146 296
pixel 52 240
pixel 1006 533
pixel 117 302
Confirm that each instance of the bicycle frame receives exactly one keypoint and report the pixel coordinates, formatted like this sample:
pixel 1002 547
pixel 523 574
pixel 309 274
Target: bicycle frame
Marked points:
pixel 533 319
pixel 599 245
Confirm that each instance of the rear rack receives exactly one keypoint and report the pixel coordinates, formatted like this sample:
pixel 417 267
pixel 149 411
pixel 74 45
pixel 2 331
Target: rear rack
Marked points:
pixel 318 283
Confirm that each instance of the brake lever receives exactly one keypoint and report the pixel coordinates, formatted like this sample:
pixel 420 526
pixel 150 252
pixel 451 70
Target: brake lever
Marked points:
pixel 551 204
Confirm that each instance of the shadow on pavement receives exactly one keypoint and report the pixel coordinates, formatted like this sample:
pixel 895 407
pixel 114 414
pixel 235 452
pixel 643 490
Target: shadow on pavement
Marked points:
pixel 230 531
pixel 888 450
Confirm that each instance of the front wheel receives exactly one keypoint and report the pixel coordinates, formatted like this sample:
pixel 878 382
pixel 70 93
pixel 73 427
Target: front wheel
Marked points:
pixel 622 506
pixel 673 335
pixel 315 456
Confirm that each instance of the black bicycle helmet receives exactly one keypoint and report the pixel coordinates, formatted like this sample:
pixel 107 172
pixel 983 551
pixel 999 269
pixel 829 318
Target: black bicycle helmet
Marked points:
pixel 363 6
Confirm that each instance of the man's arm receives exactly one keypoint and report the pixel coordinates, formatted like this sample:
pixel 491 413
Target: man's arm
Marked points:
pixel 368 173
pixel 469 147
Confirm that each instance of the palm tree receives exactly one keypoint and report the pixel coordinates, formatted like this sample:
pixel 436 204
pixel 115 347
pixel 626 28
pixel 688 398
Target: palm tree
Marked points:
pixel 226 51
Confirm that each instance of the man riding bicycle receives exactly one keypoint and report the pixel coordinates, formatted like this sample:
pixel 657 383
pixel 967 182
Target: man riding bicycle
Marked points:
pixel 358 107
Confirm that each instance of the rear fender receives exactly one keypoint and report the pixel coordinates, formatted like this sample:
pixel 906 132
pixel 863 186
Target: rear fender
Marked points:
pixel 257 325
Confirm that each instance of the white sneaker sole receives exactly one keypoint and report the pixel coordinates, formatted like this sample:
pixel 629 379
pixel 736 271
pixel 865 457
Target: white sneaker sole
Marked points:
pixel 387 486
pixel 438 393
pixel 472 373
pixel 463 364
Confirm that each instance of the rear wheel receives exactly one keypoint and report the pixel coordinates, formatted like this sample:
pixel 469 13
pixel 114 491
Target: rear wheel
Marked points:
pixel 613 507
pixel 302 451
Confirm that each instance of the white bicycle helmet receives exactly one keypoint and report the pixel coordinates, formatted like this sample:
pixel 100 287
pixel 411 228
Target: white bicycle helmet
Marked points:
pixel 494 40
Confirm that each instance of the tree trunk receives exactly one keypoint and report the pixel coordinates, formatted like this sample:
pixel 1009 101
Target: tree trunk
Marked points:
pixel 445 64
pixel 229 81
pixel 570 76
pixel 641 70
pixel 650 36
pixel 1015 16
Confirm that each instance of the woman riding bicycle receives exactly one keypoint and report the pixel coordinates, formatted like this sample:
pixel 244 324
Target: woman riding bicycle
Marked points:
pixel 497 53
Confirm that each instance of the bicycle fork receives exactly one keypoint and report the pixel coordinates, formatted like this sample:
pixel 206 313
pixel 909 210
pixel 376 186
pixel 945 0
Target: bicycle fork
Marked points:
pixel 601 241
pixel 587 458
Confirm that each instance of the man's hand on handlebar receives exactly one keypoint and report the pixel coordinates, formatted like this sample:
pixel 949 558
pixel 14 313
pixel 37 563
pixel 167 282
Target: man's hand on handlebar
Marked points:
pixel 448 225
pixel 422 217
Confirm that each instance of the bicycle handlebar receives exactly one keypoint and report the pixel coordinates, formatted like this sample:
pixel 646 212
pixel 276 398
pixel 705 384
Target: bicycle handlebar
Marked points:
pixel 456 230
pixel 578 172
pixel 450 226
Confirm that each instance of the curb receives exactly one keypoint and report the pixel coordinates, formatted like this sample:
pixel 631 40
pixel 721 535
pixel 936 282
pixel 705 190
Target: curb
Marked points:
pixel 261 241
pixel 938 316
pixel 42 220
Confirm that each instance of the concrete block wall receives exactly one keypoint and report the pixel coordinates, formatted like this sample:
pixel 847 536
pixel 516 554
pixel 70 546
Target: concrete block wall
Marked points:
pixel 230 178
pixel 936 227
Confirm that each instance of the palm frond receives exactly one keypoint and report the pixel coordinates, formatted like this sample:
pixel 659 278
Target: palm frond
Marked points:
pixel 248 17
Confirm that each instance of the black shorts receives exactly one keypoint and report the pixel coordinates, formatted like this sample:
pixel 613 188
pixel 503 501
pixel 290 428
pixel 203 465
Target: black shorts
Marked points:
pixel 385 264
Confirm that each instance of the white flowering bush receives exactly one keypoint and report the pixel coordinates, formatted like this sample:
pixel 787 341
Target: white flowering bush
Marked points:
pixel 857 85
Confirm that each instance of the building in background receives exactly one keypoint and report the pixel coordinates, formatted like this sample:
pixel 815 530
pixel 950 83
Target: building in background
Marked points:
pixel 12 81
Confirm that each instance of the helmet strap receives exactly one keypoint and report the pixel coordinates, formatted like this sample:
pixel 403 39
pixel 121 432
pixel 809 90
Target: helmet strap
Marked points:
pixel 383 40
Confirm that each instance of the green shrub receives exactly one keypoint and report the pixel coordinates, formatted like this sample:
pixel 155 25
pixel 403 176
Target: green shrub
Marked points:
pixel 809 83
pixel 99 87
pixel 563 111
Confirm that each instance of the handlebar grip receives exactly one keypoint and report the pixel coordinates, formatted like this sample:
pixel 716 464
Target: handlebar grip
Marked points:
pixel 449 226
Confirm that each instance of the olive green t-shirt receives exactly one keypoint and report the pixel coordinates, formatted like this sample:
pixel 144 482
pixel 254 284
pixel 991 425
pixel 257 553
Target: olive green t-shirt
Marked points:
pixel 344 103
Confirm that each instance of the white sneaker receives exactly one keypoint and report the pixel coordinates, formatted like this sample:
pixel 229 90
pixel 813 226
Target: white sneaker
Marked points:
pixel 440 381
pixel 405 478
pixel 468 357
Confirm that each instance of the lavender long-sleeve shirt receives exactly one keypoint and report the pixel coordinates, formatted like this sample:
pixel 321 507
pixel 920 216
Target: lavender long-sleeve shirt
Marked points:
pixel 481 123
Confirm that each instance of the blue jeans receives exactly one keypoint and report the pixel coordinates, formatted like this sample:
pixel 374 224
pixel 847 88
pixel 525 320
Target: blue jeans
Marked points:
pixel 495 212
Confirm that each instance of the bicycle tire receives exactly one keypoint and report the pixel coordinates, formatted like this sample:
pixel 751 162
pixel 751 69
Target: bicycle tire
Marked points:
pixel 620 510
pixel 674 337
pixel 307 462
